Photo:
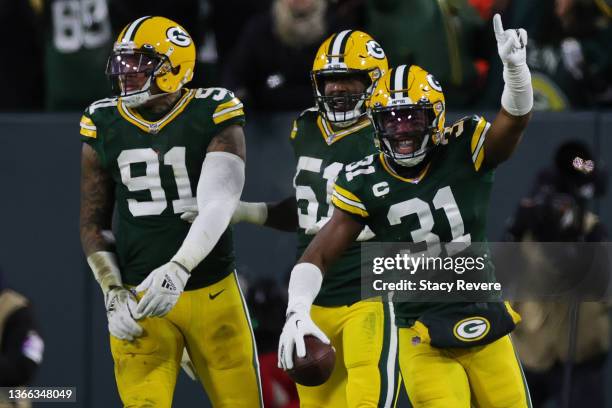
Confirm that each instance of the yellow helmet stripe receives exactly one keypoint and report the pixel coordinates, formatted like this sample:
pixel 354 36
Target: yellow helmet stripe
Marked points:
pixel 336 47
pixel 130 33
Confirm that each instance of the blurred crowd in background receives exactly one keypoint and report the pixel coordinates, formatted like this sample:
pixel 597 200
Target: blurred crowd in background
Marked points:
pixel 56 50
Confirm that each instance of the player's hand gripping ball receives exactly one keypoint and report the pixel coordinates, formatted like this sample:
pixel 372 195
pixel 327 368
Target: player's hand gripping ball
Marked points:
pixel 316 366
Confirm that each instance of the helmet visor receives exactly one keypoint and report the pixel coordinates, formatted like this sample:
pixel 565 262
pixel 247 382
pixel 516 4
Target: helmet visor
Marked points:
pixel 404 130
pixel 129 71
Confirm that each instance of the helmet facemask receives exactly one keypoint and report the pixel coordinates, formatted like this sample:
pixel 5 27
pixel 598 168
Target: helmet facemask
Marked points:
pixel 405 133
pixel 132 73
pixel 342 109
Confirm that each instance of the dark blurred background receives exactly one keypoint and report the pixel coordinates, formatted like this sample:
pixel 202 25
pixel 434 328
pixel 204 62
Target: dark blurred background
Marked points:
pixel 54 56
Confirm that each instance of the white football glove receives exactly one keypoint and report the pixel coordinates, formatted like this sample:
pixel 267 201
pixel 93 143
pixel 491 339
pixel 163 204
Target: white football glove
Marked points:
pixel 511 44
pixel 190 214
pixel 163 287
pixel 254 213
pixel 517 97
pixel 119 306
pixel 298 325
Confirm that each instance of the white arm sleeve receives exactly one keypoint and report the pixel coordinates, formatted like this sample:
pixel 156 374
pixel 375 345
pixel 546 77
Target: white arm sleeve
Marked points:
pixel 304 286
pixel 219 190
pixel 517 98
pixel 105 268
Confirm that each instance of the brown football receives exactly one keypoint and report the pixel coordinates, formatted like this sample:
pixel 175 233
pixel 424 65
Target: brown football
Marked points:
pixel 318 364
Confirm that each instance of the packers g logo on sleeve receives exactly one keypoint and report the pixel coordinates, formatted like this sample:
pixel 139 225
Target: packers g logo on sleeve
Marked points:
pixel 472 328
pixel 177 36
pixel 375 50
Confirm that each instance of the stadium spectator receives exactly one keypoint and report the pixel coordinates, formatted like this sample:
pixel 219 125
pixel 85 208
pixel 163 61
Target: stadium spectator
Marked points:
pixel 77 42
pixel 444 36
pixel 239 12
pixel 21 347
pixel 348 14
pixel 268 69
pixel 569 53
pixel 557 211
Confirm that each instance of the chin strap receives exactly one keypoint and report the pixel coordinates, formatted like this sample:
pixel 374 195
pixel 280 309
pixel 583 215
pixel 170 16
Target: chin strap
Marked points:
pixel 141 97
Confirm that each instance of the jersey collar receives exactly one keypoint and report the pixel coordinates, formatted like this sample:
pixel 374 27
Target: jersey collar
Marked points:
pixel 154 127
pixel 332 136
pixel 414 180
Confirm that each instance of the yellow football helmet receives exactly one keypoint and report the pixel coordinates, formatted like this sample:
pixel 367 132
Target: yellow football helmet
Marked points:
pixel 407 110
pixel 153 48
pixel 353 53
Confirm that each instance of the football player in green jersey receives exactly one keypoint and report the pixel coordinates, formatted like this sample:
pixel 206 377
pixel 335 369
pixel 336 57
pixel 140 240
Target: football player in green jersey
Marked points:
pixel 429 185
pixel 167 285
pixel 325 139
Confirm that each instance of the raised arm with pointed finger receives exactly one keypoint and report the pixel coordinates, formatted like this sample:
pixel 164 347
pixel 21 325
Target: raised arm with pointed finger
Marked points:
pixel 517 98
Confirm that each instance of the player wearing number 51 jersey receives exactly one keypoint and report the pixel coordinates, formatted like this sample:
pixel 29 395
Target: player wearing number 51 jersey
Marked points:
pixel 168 285
pixel 430 186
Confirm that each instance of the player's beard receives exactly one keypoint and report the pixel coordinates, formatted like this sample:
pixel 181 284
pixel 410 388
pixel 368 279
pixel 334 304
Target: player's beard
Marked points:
pixel 299 31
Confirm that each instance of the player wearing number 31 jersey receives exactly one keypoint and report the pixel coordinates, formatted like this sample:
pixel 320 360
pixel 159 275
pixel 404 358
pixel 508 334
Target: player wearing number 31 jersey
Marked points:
pixel 168 285
pixel 430 185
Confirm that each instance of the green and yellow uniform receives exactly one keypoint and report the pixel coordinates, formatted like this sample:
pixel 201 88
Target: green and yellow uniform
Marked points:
pixel 155 166
pixel 321 153
pixel 361 331
pixel 446 203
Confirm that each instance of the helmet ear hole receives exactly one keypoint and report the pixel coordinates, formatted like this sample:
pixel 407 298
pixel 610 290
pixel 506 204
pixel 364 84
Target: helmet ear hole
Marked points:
pixel 163 83
pixel 176 70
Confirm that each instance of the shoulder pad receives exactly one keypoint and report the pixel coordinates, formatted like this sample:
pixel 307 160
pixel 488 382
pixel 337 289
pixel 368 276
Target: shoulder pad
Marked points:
pixel 302 116
pixel 223 101
pixel 347 190
pixel 307 111
pixel 102 103
pixel 216 94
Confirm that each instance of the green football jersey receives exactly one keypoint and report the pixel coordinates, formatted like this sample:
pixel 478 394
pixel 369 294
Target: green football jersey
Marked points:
pixel 447 202
pixel 321 153
pixel 156 167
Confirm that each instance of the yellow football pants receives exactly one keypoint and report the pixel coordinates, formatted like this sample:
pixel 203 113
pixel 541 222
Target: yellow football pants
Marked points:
pixel 487 376
pixel 213 323
pixel 366 373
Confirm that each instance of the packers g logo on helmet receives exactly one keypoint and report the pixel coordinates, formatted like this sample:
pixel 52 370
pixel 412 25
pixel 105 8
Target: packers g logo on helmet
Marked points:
pixel 150 50
pixel 375 50
pixel 178 36
pixel 407 109
pixel 353 54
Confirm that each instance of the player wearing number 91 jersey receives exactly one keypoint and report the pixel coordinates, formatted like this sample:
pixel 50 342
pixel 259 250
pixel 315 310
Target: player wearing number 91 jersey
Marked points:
pixel 168 285
pixel 429 186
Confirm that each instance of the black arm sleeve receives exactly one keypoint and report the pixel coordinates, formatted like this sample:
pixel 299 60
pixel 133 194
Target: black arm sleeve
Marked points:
pixel 15 368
